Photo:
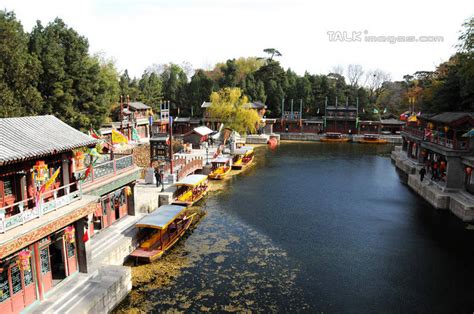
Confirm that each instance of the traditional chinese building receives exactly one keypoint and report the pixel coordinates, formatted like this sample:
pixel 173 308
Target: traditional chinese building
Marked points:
pixel 132 119
pixel 309 125
pixel 443 145
pixel 369 127
pixel 40 234
pixel 341 119
pixel 197 136
pixel 49 206
pixel 183 125
pixel 391 125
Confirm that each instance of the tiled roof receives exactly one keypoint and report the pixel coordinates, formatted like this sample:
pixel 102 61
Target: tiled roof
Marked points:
pixel 139 105
pixel 31 137
pixel 392 121
pixel 451 117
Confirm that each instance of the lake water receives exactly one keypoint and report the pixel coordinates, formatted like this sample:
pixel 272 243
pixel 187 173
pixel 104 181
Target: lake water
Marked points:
pixel 315 227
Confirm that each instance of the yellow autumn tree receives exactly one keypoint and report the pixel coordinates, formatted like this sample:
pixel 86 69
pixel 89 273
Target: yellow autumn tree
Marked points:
pixel 229 106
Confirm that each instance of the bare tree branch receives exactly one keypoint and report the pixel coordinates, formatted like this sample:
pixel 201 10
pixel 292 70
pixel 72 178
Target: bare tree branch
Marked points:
pixel 354 73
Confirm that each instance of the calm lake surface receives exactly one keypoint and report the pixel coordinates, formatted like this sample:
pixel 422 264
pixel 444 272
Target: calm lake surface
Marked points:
pixel 316 227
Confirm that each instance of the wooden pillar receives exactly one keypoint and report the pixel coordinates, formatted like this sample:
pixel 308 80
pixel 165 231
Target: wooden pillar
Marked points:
pixel 83 249
pixel 65 171
pixel 131 201
pixel 23 195
pixel 36 259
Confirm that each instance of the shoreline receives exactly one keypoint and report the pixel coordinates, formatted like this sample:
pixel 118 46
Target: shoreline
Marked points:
pixel 161 272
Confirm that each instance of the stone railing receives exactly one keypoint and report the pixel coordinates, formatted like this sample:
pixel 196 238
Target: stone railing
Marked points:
pixel 414 131
pixel 107 169
pixel 189 167
pixel 448 143
pixel 52 202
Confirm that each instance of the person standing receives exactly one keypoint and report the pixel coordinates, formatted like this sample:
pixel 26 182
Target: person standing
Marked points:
pixel 157 177
pixel 422 173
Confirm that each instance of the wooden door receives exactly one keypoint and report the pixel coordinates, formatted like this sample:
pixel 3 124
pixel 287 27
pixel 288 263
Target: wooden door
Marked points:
pixel 105 213
pixel 71 258
pixel 18 299
pixel 29 286
pixel 5 293
pixel 111 210
pixel 45 265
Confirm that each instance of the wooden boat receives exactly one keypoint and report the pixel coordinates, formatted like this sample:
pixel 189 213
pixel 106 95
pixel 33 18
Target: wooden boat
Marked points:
pixel 334 137
pixel 372 139
pixel 221 166
pixel 242 157
pixel 190 189
pixel 159 231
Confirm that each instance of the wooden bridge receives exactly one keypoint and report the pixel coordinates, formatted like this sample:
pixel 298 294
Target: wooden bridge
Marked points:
pixel 184 167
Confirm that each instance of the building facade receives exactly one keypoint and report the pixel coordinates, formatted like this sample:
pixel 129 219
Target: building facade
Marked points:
pixel 341 119
pixel 48 205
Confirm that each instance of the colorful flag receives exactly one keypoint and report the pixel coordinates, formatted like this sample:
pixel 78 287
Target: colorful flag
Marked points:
pixel 118 137
pixel 375 110
pixel 52 179
pixel 46 186
pixel 93 152
pixel 135 136
pixel 94 133
pixel 412 118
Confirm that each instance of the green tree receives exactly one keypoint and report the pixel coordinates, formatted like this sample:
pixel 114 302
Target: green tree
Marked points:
pixel 151 89
pixel 19 71
pixel 272 52
pixel 174 85
pixel 107 88
pixel 70 78
pixel 199 90
pixel 254 88
pixel 273 77
pixel 231 107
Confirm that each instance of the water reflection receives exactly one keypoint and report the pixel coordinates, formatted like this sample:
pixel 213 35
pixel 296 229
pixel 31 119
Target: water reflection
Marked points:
pixel 314 227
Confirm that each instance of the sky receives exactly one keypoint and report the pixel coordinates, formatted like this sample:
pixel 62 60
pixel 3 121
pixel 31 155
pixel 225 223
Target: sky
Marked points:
pixel 313 36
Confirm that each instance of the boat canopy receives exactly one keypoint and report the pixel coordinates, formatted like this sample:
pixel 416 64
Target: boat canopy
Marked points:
pixel 192 180
pixel 243 150
pixel 161 217
pixel 222 159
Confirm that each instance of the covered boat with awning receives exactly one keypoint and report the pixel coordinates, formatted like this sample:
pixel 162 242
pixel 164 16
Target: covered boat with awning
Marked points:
pixel 243 157
pixel 221 166
pixel 160 230
pixel 190 189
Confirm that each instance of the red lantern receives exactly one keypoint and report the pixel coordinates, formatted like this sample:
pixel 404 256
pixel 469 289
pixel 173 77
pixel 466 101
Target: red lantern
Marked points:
pixel 24 260
pixel 468 170
pixel 40 170
pixel 69 234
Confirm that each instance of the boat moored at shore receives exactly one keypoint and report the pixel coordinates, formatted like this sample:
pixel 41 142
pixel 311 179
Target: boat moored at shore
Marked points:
pixel 372 139
pixel 221 166
pixel 242 157
pixel 190 189
pixel 160 230
pixel 335 137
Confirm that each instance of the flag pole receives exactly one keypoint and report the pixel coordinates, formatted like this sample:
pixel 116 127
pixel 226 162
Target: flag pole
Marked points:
pixel 171 142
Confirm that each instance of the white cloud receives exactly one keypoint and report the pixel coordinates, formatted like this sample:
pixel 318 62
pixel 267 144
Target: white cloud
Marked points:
pixel 139 33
